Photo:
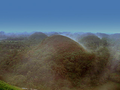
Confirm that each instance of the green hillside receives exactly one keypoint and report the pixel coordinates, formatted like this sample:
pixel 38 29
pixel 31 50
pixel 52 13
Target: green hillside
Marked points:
pixel 5 86
pixel 36 38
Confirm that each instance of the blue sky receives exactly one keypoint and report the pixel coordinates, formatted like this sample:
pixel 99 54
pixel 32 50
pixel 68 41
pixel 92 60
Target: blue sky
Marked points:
pixel 60 15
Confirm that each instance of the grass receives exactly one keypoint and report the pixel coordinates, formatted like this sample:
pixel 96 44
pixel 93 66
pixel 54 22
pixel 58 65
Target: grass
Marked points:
pixel 5 86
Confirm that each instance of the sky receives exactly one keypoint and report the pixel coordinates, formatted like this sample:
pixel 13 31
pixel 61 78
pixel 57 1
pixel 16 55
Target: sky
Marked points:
pixel 60 16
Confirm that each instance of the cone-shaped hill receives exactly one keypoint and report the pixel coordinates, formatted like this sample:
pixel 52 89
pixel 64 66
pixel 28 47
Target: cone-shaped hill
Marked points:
pixel 91 42
pixel 37 37
pixel 62 44
pixel 57 60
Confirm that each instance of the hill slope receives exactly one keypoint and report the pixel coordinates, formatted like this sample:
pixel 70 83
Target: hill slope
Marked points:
pixel 56 62
pixel 56 58
pixel 5 86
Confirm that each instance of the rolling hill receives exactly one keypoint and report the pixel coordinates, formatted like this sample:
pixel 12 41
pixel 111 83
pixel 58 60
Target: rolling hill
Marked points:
pixel 55 62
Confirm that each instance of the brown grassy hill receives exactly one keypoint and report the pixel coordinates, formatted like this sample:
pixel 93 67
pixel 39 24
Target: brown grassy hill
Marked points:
pixel 62 43
pixel 57 61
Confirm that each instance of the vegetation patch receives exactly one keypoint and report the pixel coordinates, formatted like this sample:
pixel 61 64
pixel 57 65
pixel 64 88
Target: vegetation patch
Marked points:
pixel 5 86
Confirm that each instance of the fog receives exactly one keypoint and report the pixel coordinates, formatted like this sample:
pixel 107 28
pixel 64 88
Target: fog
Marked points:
pixel 37 58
